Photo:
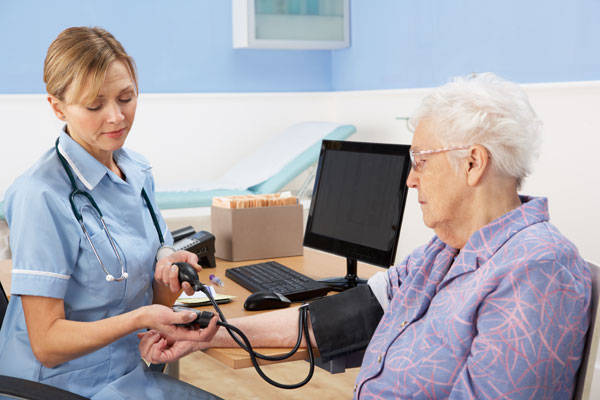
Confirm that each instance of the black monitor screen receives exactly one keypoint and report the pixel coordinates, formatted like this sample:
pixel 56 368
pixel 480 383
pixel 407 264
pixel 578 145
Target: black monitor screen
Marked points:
pixel 358 200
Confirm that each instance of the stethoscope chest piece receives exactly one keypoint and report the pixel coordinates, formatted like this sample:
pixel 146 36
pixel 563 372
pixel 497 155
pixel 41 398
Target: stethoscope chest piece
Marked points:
pixel 164 251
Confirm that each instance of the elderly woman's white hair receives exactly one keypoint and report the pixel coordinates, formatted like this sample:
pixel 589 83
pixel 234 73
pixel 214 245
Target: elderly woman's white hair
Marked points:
pixel 487 110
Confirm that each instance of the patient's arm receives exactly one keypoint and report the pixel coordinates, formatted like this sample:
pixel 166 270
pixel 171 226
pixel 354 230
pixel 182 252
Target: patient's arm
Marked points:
pixel 353 314
pixel 273 329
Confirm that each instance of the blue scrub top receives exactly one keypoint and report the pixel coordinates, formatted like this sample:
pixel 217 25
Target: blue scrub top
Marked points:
pixel 52 258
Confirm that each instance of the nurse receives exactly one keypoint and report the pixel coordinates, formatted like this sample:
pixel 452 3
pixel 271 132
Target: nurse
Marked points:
pixel 82 285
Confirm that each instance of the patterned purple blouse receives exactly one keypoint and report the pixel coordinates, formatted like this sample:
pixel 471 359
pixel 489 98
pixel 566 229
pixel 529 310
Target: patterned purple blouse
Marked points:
pixel 505 317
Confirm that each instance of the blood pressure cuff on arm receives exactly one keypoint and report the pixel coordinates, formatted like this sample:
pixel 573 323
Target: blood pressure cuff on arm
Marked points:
pixel 345 323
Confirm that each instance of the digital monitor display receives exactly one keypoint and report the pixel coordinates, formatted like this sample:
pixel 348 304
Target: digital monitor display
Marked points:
pixel 358 200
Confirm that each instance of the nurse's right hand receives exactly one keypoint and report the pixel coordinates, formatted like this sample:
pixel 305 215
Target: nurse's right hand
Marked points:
pixel 166 272
pixel 163 319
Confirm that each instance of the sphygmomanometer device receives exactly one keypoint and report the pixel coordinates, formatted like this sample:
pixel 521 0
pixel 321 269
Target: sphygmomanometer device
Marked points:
pixel 202 317
pixel 187 273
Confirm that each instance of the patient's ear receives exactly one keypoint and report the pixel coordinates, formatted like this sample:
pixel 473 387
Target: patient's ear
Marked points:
pixel 477 163
pixel 57 107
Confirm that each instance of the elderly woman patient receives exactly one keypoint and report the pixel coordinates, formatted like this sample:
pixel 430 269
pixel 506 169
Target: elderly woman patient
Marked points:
pixel 496 305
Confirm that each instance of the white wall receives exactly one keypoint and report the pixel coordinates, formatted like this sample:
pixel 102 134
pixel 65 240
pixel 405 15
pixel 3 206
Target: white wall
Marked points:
pixel 186 137
pixel 196 137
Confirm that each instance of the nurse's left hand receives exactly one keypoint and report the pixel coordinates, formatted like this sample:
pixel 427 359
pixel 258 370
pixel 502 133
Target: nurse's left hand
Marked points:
pixel 158 348
pixel 166 273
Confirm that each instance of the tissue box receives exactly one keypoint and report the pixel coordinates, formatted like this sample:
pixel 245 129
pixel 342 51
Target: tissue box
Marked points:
pixel 254 233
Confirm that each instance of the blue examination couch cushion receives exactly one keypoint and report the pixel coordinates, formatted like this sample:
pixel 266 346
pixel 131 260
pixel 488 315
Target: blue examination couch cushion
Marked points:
pixel 190 199
pixel 307 158
pixel 173 200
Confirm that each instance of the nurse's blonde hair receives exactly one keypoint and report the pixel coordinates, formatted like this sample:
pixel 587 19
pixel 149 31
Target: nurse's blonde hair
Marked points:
pixel 80 56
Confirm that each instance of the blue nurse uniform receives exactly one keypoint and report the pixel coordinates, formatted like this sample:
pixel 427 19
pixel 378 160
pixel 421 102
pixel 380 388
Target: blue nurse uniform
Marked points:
pixel 52 258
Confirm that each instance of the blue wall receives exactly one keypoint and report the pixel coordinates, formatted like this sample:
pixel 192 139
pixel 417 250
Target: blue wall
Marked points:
pixel 178 46
pixel 421 43
pixel 185 45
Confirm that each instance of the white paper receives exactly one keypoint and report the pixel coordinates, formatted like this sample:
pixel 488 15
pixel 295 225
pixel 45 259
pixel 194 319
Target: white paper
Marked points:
pixel 197 295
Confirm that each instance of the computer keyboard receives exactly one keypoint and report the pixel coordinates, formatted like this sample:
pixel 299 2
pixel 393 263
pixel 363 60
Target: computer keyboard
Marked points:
pixel 274 277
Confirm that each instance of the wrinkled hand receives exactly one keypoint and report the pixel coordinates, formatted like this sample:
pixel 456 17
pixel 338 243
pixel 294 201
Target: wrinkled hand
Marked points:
pixel 156 347
pixel 166 274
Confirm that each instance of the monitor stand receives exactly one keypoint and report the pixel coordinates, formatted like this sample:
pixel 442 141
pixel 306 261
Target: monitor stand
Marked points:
pixel 349 281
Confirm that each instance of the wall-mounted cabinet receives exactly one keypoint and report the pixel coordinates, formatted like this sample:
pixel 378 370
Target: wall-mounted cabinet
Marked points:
pixel 291 24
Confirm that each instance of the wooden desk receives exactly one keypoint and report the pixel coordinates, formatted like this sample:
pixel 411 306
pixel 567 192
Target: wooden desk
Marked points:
pixel 313 264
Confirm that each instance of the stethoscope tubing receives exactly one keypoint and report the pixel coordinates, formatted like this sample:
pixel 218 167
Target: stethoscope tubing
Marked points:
pixel 75 191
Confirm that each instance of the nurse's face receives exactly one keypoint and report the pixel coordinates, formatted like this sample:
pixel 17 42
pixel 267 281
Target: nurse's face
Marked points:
pixel 103 126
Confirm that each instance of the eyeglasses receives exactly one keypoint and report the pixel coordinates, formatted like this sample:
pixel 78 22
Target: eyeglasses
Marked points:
pixel 417 162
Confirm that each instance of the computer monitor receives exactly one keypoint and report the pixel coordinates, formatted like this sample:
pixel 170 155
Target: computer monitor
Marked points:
pixel 357 204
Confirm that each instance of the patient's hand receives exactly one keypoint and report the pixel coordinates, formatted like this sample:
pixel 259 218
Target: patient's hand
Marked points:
pixel 158 348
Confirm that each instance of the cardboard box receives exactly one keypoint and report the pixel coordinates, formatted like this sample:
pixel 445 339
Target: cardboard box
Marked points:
pixel 254 233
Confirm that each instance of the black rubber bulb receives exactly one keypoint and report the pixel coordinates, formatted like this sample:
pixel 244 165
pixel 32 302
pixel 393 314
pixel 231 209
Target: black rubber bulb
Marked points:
pixel 188 274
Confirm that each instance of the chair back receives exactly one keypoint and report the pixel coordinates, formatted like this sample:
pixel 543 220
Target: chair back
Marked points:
pixel 3 304
pixel 585 376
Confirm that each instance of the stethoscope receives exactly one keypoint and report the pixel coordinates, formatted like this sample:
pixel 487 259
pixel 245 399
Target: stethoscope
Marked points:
pixel 161 252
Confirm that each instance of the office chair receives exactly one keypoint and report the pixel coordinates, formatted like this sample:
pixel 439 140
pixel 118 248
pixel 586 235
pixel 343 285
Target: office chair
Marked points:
pixel 3 304
pixel 585 375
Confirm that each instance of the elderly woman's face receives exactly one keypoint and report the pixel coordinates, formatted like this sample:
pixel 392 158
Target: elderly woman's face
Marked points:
pixel 102 127
pixel 441 191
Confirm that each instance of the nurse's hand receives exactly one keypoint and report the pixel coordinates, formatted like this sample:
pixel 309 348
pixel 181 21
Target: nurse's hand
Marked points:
pixel 158 348
pixel 166 273
pixel 164 320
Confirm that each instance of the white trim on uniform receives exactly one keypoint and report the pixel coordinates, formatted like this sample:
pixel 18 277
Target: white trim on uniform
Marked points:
pixel 74 167
pixel 42 273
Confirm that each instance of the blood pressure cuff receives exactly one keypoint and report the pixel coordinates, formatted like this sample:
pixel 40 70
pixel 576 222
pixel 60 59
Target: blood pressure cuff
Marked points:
pixel 345 323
